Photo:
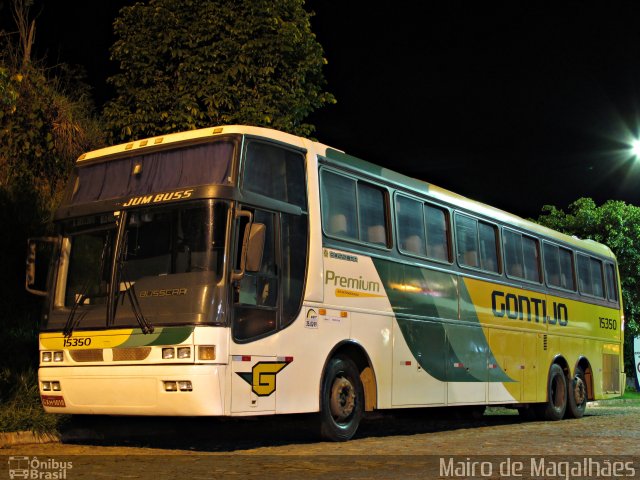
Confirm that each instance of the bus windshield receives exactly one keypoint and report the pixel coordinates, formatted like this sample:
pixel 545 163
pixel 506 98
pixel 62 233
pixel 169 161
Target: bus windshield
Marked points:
pixel 169 256
pixel 169 241
pixel 90 245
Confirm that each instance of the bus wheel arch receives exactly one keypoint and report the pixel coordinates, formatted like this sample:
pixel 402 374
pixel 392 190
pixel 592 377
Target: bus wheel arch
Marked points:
pixel 345 391
pixel 359 356
pixel 557 391
pixel 584 364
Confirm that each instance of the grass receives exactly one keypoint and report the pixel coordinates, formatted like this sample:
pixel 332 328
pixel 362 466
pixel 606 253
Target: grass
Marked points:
pixel 631 395
pixel 22 410
pixel 20 406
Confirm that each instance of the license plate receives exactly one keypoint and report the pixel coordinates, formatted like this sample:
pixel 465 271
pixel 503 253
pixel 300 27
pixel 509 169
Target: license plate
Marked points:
pixel 52 401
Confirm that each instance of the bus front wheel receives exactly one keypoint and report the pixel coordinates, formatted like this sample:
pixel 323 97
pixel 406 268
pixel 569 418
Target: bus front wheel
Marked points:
pixel 341 401
pixel 556 405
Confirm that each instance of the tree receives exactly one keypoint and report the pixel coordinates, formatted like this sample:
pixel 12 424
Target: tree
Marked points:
pixel 46 120
pixel 45 124
pixel 617 225
pixel 188 64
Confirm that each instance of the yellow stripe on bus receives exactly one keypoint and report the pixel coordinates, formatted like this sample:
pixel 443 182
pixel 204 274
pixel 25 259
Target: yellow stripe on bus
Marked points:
pixel 340 292
pixel 84 340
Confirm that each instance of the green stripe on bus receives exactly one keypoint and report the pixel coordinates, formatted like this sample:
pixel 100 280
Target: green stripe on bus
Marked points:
pixel 161 336
pixel 376 171
pixel 448 352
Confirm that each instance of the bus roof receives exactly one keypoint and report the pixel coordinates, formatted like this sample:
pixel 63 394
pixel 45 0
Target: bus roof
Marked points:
pixel 349 162
pixel 160 141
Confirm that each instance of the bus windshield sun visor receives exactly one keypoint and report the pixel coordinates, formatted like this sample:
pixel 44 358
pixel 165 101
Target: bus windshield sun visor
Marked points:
pixel 208 163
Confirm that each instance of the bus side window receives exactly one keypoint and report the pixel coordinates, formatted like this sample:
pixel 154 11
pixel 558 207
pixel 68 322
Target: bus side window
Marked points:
pixel 612 288
pixel 597 277
pixel 552 265
pixel 522 256
pixel 410 222
pixel 567 276
pixel 558 267
pixel 467 241
pixel 271 298
pixel 275 172
pixel 339 215
pixel 437 221
pixel 256 304
pixel 488 235
pixel 584 275
pixel 531 258
pixel 513 254
pixel 371 206
pixel 477 244
pixel 294 233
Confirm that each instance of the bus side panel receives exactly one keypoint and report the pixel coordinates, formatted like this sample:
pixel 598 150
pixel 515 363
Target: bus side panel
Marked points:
pixel 301 351
pixel 374 333
pixel 412 385
pixel 353 287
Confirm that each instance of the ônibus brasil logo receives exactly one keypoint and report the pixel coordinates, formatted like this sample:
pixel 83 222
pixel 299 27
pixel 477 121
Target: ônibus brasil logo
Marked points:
pixel 34 468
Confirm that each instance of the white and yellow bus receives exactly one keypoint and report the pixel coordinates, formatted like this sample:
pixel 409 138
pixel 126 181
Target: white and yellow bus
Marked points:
pixel 238 271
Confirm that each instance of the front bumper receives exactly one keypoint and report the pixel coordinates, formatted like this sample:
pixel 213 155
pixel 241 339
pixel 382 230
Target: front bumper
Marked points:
pixel 134 390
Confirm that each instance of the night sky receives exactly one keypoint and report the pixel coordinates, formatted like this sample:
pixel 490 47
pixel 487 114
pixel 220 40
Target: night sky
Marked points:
pixel 517 104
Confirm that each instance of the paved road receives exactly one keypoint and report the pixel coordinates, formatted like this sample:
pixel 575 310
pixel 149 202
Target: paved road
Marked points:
pixel 398 445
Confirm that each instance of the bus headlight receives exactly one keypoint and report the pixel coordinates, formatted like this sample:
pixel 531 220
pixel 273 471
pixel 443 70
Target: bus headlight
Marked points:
pixel 46 356
pixel 170 386
pixel 168 353
pixel 46 386
pixel 58 356
pixel 185 386
pixel 55 386
pixel 207 352
pixel 184 352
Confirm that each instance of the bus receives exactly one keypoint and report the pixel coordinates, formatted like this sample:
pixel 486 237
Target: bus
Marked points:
pixel 237 271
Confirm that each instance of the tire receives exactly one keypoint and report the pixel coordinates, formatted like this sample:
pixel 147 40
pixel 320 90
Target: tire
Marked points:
pixel 341 401
pixel 556 404
pixel 577 393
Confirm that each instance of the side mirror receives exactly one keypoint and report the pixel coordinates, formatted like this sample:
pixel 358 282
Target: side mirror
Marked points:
pixel 39 254
pixel 252 246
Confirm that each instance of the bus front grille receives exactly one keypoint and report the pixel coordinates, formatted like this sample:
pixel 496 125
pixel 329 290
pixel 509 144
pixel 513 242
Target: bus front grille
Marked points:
pixel 89 355
pixel 130 354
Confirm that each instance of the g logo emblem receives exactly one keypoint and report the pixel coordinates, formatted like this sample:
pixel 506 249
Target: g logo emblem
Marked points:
pixel 262 377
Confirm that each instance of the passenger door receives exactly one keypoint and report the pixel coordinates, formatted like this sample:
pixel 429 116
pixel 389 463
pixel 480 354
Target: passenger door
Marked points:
pixel 267 300
pixel 255 315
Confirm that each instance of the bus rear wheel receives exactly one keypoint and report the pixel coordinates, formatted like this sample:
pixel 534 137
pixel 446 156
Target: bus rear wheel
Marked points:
pixel 341 401
pixel 577 403
pixel 556 405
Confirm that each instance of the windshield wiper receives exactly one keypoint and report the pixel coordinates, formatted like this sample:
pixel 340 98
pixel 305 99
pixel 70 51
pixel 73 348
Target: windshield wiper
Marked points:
pixel 130 291
pixel 72 320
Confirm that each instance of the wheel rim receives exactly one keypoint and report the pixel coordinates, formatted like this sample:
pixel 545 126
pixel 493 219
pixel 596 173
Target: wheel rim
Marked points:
pixel 558 392
pixel 343 399
pixel 579 391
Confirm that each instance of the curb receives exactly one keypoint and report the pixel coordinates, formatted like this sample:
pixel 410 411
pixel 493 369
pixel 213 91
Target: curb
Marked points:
pixel 615 401
pixel 8 439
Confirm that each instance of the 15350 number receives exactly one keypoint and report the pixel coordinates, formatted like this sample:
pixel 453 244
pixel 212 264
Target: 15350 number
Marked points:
pixel 608 323
pixel 77 342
